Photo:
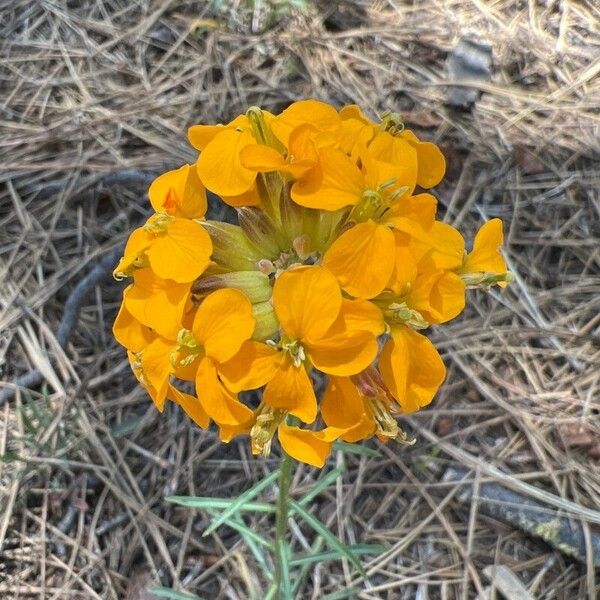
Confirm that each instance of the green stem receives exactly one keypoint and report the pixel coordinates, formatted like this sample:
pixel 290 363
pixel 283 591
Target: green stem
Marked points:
pixel 281 557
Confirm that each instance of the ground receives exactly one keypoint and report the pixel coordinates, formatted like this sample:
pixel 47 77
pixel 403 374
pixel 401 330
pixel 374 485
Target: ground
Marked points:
pixel 96 99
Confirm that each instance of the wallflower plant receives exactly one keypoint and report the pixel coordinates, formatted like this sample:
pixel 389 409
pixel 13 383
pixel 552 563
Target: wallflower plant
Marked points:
pixel 335 270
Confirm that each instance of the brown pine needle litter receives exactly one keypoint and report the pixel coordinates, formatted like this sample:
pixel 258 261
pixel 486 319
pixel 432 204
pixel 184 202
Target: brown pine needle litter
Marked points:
pixel 95 99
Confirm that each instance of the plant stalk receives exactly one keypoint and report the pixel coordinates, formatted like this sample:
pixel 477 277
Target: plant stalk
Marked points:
pixel 281 555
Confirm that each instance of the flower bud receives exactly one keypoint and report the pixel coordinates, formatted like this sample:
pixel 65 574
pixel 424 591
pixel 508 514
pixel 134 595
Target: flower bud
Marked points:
pixel 261 231
pixel 231 248
pixel 254 284
pixel 267 325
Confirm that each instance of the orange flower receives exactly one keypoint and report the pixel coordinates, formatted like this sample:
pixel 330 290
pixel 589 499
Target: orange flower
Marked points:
pixel 174 248
pixel 335 247
pixel 219 166
pixel 485 259
pixel 179 193
pixel 411 368
pixel 318 328
pixel 363 258
pixel 156 303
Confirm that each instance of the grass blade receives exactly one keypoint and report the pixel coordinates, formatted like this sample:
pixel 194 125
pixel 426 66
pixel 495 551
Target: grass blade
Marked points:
pixel 255 549
pixel 321 485
pixel 357 449
pixel 163 592
pixel 208 503
pixel 327 535
pixel 245 531
pixel 237 503
pixel 356 550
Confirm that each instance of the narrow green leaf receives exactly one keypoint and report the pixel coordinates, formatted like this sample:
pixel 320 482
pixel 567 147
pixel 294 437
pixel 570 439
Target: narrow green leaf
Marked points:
pixel 241 500
pixel 321 485
pixel 355 449
pixel 315 549
pixel 208 503
pixel 271 592
pixel 163 592
pixel 126 427
pixel 245 530
pixel 327 535
pixel 255 549
pixel 356 550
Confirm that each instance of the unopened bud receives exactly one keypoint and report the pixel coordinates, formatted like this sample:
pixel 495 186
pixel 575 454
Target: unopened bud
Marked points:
pixel 260 230
pixel 301 245
pixel 231 248
pixel 254 284
pixel 266 266
pixel 267 325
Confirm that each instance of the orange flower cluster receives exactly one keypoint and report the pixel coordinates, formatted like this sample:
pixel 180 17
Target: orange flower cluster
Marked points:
pixel 337 264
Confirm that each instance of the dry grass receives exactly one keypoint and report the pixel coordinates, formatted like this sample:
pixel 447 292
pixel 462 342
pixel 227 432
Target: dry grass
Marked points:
pixel 98 86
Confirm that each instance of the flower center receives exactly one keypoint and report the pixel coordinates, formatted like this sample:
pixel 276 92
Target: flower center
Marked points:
pixel 399 313
pixel 295 349
pixel 158 223
pixel 187 350
pixel 392 122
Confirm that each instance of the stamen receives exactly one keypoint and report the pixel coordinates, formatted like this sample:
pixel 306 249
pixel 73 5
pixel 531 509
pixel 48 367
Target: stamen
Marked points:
pixel 486 280
pixel 392 122
pixel 187 350
pixel 401 313
pixel 263 430
pixel 158 223
pixel 295 350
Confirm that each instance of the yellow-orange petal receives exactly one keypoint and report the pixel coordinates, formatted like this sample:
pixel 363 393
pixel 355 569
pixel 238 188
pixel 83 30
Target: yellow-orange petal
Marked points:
pixel 201 135
pixel 265 159
pixel 485 256
pixel 191 406
pixel 252 367
pixel 307 301
pixel 344 353
pixel 156 303
pixel 249 198
pixel 362 315
pixel 219 165
pixel 261 158
pixel 220 404
pixel 399 153
pixel 362 259
pixel 228 432
pixel 438 296
pixel 291 389
pixel 157 370
pixel 129 332
pixel 310 447
pixel 432 164
pixel 405 265
pixel 336 182
pixel 444 252
pixel 223 322
pixel 182 252
pixel 411 368
pixel 353 111
pixel 179 193
pixel 419 209
pixel 139 240
pixel 319 114
pixel 341 405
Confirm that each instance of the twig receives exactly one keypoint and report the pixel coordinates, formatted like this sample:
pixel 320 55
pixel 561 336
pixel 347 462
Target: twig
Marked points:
pixel 566 535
